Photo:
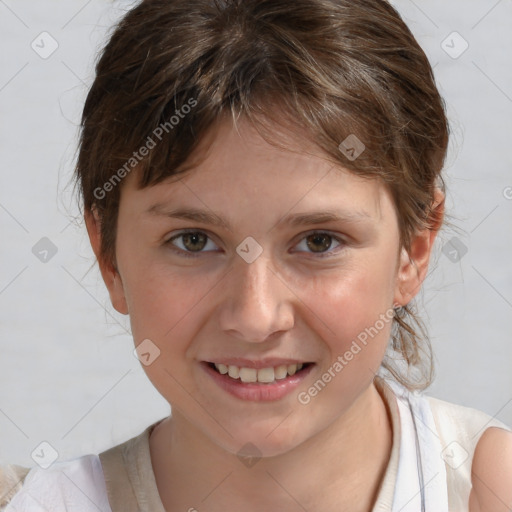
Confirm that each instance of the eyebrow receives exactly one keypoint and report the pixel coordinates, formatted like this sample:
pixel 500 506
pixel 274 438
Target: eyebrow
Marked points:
pixel 296 219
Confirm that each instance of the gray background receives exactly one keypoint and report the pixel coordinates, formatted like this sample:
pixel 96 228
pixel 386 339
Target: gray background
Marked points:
pixel 68 375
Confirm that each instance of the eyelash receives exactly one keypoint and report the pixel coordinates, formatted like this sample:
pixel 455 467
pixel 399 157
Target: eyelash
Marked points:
pixel 188 254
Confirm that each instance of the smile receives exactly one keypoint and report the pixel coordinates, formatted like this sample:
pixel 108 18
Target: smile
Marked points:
pixel 267 383
pixel 263 375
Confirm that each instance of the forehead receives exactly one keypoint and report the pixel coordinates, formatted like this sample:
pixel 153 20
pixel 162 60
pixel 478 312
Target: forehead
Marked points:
pixel 234 165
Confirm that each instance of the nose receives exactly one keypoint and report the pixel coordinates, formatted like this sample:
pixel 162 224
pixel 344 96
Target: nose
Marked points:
pixel 257 303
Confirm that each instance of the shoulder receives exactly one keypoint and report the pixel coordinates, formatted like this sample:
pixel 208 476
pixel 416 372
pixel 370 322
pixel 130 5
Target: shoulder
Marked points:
pixel 483 446
pixel 491 472
pixel 77 482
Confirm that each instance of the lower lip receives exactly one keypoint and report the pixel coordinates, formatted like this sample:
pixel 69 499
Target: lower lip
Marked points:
pixel 258 391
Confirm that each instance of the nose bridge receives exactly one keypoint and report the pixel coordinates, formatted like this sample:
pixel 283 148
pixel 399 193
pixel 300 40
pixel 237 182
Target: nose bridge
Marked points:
pixel 255 304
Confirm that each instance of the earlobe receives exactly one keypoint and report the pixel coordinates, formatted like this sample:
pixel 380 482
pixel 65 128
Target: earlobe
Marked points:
pixel 109 272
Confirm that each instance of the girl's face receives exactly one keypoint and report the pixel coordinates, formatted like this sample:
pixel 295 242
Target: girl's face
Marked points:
pixel 253 286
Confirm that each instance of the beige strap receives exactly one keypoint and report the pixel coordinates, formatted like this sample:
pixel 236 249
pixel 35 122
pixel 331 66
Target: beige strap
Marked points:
pixel 129 477
pixel 119 488
pixel 11 481
pixel 384 501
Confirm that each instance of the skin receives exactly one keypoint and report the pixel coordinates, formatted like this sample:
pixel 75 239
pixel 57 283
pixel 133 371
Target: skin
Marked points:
pixel 492 472
pixel 288 303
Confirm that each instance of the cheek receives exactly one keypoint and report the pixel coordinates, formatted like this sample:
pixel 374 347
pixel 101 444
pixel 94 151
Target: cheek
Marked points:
pixel 354 316
pixel 165 307
pixel 353 301
pixel 163 302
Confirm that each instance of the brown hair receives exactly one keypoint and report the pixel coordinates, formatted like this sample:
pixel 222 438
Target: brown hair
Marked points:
pixel 336 68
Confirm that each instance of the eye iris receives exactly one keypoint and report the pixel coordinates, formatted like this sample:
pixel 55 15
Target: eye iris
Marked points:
pixel 193 238
pixel 319 238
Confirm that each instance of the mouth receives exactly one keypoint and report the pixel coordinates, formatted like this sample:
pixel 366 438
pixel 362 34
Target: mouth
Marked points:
pixel 265 383
pixel 268 375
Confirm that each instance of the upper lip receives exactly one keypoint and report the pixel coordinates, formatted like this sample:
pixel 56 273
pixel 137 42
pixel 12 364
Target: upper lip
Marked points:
pixel 255 363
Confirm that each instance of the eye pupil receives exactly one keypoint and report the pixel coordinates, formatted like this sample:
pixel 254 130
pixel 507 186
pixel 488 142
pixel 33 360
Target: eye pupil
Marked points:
pixel 319 238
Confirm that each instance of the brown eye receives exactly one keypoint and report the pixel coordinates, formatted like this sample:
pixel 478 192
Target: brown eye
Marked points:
pixel 192 243
pixel 320 243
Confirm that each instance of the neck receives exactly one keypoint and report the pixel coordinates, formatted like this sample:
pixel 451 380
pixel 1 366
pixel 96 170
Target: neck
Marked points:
pixel 338 469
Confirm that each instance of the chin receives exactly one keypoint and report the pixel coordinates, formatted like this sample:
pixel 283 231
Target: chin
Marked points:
pixel 262 441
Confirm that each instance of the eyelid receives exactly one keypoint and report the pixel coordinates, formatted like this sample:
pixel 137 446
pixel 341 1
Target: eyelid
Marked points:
pixel 168 241
pixel 330 253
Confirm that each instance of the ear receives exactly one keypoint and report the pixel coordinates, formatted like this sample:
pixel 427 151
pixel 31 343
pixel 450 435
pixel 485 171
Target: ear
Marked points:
pixel 413 264
pixel 109 272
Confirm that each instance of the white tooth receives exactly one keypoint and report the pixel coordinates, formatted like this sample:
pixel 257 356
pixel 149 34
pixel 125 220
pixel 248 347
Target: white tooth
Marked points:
pixel 299 366
pixel 222 368
pixel 233 371
pixel 248 374
pixel 266 375
pixel 292 368
pixel 280 372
